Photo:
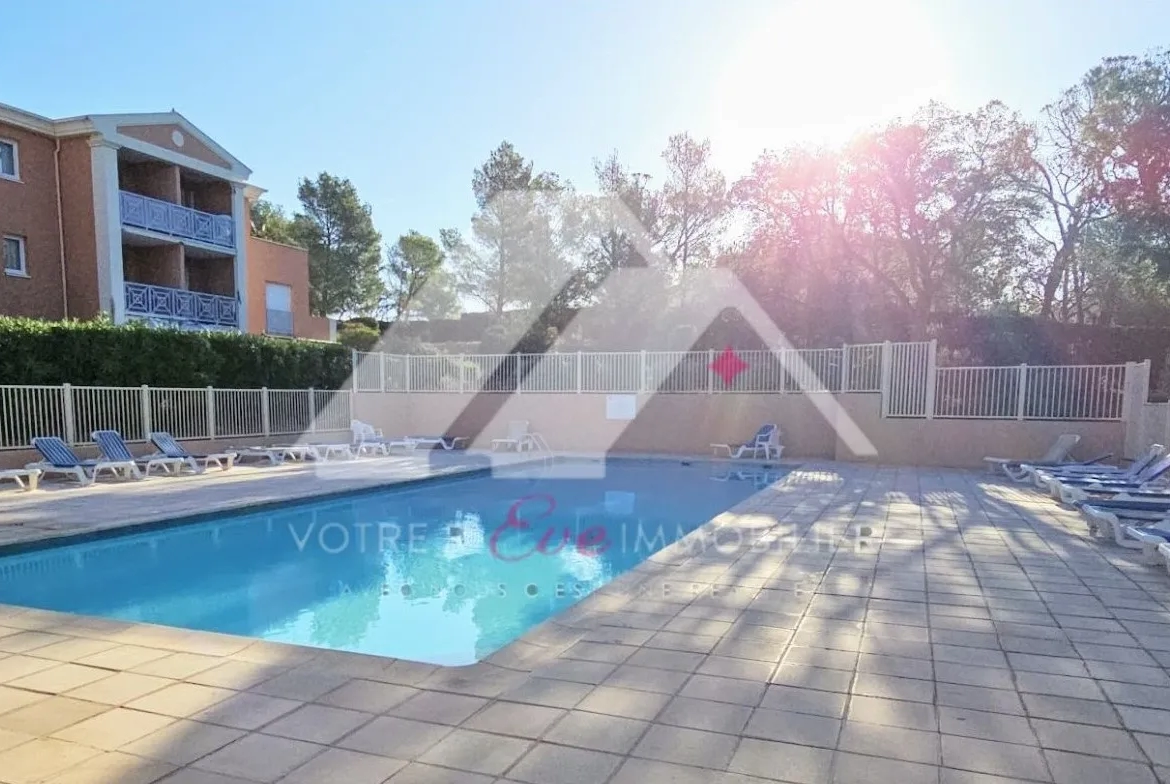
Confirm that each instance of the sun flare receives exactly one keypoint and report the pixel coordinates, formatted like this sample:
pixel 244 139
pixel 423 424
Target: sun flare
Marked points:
pixel 818 71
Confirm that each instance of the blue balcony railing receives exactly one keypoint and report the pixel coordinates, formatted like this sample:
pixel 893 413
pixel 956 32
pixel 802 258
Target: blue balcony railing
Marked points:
pixel 176 220
pixel 190 308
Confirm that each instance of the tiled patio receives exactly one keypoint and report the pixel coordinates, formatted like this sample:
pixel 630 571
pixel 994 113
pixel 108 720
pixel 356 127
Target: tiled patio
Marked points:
pixel 850 624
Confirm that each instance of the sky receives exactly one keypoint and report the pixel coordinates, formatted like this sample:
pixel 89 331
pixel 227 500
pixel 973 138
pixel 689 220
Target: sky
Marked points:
pixel 407 98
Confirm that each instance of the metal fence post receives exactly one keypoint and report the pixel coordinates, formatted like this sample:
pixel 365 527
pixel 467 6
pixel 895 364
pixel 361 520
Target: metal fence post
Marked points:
pixel 406 371
pixel 67 412
pixel 578 372
pixel 844 385
pixel 516 367
pixel 887 373
pixel 462 367
pixel 211 413
pixel 931 377
pixel 643 384
pixel 313 409
pixel 146 424
pixel 381 371
pixel 1021 390
pixel 710 371
pixel 357 378
pixel 265 421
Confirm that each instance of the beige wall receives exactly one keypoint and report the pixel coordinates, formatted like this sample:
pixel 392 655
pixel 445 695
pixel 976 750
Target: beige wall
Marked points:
pixel 688 424
pixel 965 442
pixel 81 268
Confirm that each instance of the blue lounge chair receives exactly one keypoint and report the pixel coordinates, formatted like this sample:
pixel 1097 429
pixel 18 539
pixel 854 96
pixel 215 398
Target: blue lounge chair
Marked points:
pixel 60 459
pixel 1071 490
pixel 766 440
pixel 1043 477
pixel 169 447
pixel 114 449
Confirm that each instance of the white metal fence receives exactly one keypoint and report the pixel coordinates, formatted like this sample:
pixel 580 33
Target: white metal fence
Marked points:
pixel 906 376
pixel 73 412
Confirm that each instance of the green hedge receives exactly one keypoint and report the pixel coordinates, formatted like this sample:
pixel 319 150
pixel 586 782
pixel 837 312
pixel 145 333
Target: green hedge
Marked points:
pixel 100 354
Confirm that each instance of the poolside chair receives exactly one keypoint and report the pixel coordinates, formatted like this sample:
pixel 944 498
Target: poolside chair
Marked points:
pixel 1042 477
pixel 168 447
pixel 114 448
pixel 1056 454
pixel 60 459
pixel 1135 529
pixel 766 439
pixel 447 443
pixel 1164 551
pixel 369 439
pixel 1070 490
pixel 26 479
pixel 519 437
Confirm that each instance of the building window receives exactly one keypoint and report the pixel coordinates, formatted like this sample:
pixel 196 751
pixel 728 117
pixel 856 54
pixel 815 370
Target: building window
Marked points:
pixel 15 262
pixel 278 318
pixel 9 160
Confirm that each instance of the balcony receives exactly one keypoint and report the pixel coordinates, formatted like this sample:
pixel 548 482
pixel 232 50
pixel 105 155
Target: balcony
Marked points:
pixel 194 309
pixel 176 220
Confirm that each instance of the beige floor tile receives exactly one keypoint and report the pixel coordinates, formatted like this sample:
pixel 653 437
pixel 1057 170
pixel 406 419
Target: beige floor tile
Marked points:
pixel 9 739
pixel 177 665
pixel 550 693
pixel 550 764
pixel 511 718
pixel 123 657
pixel 114 767
pixel 181 700
pixel 182 742
pixel 596 731
pixel 390 736
pixel 49 715
pixel 11 699
pixel 368 696
pixel 477 752
pixel 15 667
pixel 344 767
pixel 238 675
pixel 419 773
pixel 73 649
pixel 119 688
pixel 113 729
pixel 245 711
pixel 303 684
pixel 686 747
pixel 27 641
pixel 439 707
pixel 41 759
pixel 318 723
pixel 60 679
pixel 788 762
pixel 262 758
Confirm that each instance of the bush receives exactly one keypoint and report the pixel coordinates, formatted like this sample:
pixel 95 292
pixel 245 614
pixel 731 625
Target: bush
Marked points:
pixel 99 354
pixel 358 336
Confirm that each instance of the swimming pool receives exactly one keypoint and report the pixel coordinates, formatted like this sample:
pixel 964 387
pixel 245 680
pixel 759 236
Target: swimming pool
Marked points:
pixel 444 572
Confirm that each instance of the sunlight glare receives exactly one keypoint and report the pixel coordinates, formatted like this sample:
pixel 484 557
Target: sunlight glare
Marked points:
pixel 819 71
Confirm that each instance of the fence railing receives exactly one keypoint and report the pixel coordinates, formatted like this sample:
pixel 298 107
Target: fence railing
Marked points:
pixel 906 376
pixel 73 412
pixel 845 369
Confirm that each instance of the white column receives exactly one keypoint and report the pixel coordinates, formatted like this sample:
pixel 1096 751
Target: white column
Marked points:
pixel 107 216
pixel 241 231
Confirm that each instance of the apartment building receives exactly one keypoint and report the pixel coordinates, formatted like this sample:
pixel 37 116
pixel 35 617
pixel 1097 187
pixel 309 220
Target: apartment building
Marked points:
pixel 139 216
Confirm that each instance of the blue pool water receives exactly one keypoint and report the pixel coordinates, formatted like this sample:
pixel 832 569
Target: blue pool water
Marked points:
pixel 445 572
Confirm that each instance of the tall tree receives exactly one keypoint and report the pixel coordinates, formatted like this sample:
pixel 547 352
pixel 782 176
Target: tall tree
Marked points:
pixel 336 227
pixel 412 263
pixel 692 203
pixel 270 222
pixel 514 256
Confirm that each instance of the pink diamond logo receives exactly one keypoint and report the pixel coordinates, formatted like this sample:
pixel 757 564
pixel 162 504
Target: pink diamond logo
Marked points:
pixel 728 365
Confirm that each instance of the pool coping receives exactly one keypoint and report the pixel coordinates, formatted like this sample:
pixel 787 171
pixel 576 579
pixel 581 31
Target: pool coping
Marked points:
pixel 538 646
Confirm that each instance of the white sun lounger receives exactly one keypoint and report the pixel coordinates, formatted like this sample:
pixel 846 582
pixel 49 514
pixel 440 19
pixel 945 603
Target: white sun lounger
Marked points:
pixel 27 478
pixel 519 437
pixel 1056 454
